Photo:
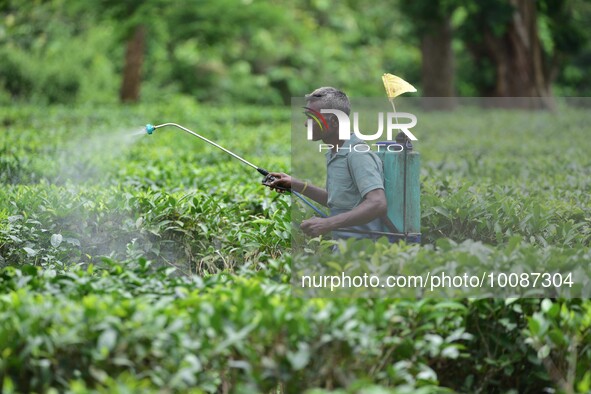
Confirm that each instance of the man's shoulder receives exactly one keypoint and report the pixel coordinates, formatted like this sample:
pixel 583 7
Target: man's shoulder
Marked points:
pixel 354 140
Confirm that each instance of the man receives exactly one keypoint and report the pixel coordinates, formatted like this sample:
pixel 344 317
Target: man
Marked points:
pixel 354 180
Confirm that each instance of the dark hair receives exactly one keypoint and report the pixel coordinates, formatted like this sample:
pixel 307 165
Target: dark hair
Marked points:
pixel 330 98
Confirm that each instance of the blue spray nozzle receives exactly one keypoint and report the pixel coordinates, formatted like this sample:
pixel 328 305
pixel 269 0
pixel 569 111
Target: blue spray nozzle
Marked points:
pixel 150 128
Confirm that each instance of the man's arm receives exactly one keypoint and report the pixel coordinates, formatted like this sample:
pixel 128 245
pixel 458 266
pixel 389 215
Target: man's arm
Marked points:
pixel 315 193
pixel 373 206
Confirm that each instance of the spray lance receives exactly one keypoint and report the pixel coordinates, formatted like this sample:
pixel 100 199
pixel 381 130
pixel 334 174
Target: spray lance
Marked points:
pixel 268 178
pixel 151 128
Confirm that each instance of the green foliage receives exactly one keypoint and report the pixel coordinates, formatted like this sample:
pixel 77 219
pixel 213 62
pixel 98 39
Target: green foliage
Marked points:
pixel 163 330
pixel 151 263
pixel 262 52
pixel 221 51
pixel 54 54
pixel 22 81
pixel 131 204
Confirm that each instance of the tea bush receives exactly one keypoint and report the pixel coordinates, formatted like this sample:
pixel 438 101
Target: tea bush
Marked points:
pixel 134 263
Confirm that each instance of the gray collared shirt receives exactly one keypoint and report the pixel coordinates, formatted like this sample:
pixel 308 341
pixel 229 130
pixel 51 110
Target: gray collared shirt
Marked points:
pixel 351 173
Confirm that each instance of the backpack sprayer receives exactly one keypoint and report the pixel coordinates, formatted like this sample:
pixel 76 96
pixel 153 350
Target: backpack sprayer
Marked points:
pixel 401 177
pixel 402 173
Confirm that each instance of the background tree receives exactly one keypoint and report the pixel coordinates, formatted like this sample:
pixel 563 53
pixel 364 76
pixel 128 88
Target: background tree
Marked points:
pixel 431 21
pixel 507 37
pixel 133 19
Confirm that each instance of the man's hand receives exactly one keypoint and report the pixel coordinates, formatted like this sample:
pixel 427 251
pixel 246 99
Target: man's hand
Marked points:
pixel 316 226
pixel 290 183
pixel 281 180
pixel 373 206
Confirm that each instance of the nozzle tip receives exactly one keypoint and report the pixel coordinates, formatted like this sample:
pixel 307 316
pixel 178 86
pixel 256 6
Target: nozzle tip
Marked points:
pixel 150 128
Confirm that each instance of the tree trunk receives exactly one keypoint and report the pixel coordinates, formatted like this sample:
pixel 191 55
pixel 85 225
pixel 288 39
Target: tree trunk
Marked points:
pixel 134 58
pixel 517 56
pixel 437 68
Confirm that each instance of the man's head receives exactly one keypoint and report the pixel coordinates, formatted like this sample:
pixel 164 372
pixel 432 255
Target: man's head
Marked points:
pixel 327 98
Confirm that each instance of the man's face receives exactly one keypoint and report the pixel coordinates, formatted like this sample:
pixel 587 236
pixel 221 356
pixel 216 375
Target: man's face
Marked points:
pixel 318 132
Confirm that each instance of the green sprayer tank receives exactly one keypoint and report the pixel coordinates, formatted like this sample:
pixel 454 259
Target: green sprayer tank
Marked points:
pixel 402 186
